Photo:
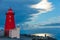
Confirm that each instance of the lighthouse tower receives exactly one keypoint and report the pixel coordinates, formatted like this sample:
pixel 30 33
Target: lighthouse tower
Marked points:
pixel 9 23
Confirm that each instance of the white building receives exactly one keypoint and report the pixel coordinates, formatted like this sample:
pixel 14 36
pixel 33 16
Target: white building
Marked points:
pixel 15 33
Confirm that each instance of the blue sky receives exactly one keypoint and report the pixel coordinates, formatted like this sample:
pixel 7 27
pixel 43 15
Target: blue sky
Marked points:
pixel 31 12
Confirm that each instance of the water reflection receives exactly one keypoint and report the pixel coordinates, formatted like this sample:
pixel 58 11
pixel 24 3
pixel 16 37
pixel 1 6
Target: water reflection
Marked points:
pixel 43 36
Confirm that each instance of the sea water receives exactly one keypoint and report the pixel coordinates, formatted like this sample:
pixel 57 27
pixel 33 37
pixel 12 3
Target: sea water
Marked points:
pixel 55 31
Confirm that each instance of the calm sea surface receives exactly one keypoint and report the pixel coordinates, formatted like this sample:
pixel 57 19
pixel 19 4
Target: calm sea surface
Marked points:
pixel 54 31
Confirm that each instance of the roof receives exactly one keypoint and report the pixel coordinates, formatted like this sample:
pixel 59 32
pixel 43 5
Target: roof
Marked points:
pixel 10 11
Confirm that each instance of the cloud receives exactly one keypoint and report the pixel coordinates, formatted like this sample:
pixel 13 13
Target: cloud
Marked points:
pixel 52 20
pixel 36 26
pixel 29 26
pixel 44 4
pixel 43 7
pixel 22 8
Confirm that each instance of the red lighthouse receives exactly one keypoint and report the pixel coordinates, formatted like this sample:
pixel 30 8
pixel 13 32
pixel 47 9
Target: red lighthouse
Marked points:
pixel 10 23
